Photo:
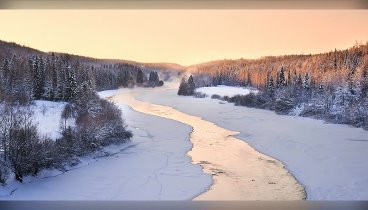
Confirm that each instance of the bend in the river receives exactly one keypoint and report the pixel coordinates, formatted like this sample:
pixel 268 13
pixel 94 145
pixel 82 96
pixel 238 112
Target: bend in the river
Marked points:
pixel 239 172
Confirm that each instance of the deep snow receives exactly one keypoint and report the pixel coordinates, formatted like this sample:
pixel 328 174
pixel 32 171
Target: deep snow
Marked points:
pixel 154 166
pixel 329 160
pixel 47 115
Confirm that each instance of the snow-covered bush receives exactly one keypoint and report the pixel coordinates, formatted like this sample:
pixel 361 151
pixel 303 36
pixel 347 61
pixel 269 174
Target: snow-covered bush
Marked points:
pixel 103 128
pixel 96 123
pixel 199 95
pixel 283 105
pixel 20 140
pixel 250 100
pixel 215 96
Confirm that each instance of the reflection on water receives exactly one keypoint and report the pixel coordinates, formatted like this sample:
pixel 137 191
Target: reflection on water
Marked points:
pixel 239 172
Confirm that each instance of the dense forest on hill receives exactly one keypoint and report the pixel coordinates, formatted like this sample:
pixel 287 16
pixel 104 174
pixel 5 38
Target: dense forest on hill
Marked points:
pixel 331 86
pixel 87 122
pixel 28 73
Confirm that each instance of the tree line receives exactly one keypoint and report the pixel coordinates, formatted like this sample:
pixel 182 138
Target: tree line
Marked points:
pixel 331 86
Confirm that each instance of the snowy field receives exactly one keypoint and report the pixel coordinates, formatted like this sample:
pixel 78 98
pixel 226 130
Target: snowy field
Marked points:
pixel 47 115
pixel 154 166
pixel 329 160
pixel 223 90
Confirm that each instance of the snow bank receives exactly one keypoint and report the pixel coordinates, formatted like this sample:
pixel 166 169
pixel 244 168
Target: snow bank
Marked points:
pixel 329 160
pixel 223 90
pixel 48 114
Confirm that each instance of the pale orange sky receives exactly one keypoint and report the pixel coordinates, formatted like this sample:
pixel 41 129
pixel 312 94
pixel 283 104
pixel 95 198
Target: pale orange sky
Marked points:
pixel 184 36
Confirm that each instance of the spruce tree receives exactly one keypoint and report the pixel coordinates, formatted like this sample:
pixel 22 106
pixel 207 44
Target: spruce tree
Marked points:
pixel 140 77
pixel 183 87
pixel 289 80
pixel 191 85
pixel 306 83
pixel 281 80
pixel 47 89
pixel 36 81
pixel 71 84
pixel 270 86
pixel 4 71
pixel 277 80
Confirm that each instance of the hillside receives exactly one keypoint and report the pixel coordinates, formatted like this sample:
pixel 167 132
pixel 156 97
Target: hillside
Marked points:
pixel 329 67
pixel 332 86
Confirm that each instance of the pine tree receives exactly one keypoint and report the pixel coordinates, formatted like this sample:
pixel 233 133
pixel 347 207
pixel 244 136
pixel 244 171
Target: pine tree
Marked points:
pixel 71 85
pixel 270 86
pixel 27 85
pixel 4 71
pixel 351 82
pixel 190 80
pixel 295 78
pixel 281 80
pixel 55 78
pixel 306 83
pixel 41 75
pixel 35 80
pixel 277 80
pixel 86 98
pixel 183 87
pixel 58 75
pixel 140 77
pixel 63 81
pixel 267 80
pixel 47 89
pixel 38 69
pixel 153 79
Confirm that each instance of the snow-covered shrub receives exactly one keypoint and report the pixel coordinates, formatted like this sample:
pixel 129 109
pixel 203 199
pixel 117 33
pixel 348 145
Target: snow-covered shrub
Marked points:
pixel 215 96
pixel 109 124
pixel 160 83
pixel 199 95
pixel 100 125
pixel 226 98
pixel 20 140
pixel 250 100
pixel 284 105
pixel 312 109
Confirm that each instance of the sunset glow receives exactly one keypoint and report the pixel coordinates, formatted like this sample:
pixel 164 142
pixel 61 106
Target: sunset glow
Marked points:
pixel 184 36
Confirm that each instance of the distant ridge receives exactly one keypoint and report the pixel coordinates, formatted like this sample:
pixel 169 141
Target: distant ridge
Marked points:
pixel 9 48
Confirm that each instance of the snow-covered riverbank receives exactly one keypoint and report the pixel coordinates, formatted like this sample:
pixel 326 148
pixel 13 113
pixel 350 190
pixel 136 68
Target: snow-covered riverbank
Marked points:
pixel 154 166
pixel 328 159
